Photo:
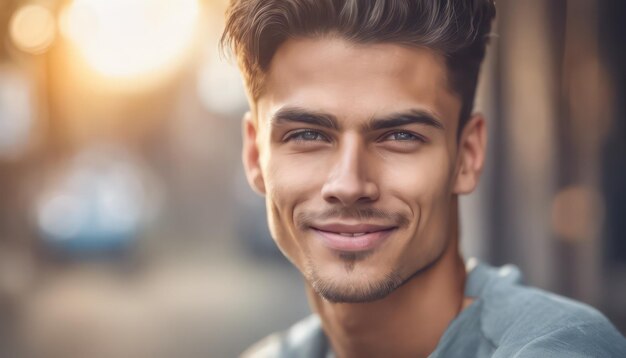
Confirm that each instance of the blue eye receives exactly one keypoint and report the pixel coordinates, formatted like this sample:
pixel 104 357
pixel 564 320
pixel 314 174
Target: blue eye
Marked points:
pixel 307 135
pixel 403 137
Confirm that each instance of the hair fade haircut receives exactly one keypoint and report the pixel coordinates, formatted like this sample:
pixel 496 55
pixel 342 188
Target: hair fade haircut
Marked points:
pixel 456 29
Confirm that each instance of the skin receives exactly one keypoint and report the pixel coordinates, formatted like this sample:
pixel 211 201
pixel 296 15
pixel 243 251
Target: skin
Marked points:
pixel 350 136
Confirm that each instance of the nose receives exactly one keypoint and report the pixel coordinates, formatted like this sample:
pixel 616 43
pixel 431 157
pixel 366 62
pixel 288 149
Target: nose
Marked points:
pixel 348 182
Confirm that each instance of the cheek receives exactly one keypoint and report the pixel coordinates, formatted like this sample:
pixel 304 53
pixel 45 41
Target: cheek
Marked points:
pixel 289 181
pixel 421 179
pixel 290 178
pixel 424 184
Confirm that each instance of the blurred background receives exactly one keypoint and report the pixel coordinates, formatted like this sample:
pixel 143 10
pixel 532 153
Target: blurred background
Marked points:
pixel 127 228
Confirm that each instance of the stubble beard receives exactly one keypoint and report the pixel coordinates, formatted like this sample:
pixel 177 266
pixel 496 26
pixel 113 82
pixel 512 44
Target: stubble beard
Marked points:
pixel 352 288
pixel 362 291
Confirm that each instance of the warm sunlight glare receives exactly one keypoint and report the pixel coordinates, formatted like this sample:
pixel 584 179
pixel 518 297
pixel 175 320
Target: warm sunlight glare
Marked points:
pixel 131 38
pixel 32 28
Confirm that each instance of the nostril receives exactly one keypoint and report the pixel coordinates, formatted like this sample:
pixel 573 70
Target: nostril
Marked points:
pixel 350 193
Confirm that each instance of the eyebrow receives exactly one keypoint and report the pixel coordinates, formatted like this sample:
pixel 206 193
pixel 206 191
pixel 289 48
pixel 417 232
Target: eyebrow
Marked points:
pixel 414 116
pixel 301 115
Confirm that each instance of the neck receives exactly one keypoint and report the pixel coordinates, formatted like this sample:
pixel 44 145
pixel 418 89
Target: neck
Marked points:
pixel 408 322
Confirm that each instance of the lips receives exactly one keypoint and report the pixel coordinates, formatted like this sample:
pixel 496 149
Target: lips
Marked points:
pixel 352 238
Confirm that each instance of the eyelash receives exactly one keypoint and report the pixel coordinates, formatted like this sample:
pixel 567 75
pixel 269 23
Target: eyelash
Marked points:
pixel 298 136
pixel 413 136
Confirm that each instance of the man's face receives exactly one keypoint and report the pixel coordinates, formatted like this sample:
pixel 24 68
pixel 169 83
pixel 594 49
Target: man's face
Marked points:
pixel 355 149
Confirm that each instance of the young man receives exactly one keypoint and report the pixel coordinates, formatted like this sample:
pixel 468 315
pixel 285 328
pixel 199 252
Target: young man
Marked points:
pixel 361 137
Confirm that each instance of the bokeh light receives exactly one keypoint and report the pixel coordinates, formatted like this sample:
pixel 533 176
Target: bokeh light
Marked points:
pixel 131 38
pixel 17 117
pixel 32 28
pixel 576 213
pixel 220 88
pixel 100 202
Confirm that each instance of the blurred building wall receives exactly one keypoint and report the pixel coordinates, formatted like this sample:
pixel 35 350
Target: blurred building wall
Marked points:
pixel 552 199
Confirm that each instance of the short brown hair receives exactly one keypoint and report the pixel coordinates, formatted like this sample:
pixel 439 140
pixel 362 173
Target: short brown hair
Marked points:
pixel 457 29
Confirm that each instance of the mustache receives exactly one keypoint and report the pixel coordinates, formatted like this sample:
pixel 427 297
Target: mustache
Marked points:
pixel 306 219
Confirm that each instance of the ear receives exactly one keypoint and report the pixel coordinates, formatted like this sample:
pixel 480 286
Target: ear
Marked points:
pixel 250 155
pixel 471 156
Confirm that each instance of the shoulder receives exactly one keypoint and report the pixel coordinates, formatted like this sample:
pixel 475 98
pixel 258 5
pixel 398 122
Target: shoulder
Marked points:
pixel 303 339
pixel 548 325
pixel 592 339
pixel 521 321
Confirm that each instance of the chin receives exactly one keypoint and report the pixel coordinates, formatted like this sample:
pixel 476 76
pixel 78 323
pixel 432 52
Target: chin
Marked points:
pixel 356 286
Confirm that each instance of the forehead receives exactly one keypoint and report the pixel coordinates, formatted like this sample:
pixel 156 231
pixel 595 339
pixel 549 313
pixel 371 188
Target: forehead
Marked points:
pixel 355 81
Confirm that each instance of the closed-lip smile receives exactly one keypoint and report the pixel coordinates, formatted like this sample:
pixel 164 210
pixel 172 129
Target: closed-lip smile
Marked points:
pixel 352 237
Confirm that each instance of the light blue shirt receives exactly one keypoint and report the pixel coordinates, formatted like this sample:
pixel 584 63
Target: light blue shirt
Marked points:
pixel 506 319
